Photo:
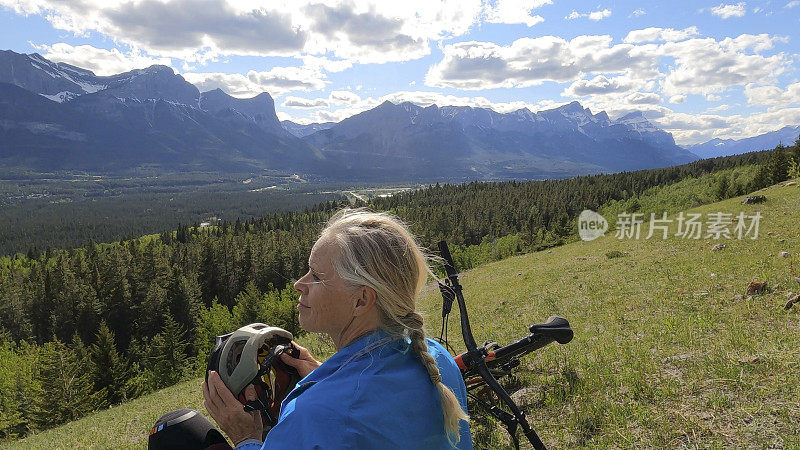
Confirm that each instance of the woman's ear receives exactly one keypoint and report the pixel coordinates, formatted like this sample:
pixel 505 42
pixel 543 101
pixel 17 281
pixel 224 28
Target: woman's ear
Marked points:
pixel 366 300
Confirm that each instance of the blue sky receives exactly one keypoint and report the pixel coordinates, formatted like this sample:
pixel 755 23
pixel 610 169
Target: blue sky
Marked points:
pixel 698 70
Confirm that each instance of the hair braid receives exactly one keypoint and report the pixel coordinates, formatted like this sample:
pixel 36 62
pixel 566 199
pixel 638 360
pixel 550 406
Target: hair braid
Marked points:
pixel 451 408
pixel 378 250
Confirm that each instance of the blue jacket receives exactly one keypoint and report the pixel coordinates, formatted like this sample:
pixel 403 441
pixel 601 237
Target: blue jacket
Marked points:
pixel 374 393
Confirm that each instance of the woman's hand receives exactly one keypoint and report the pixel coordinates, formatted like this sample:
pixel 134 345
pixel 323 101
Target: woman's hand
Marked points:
pixel 229 412
pixel 304 364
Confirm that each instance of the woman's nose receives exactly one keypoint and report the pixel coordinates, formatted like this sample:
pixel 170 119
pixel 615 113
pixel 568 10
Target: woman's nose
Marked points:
pixel 298 285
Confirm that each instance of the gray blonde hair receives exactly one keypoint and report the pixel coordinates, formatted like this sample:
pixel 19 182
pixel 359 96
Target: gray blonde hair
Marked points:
pixel 378 250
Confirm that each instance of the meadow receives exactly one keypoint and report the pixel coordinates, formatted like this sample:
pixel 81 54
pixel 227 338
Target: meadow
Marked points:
pixel 668 351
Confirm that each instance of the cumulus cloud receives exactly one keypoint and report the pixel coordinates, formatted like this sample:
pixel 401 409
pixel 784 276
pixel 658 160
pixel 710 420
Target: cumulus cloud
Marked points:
pixel 772 95
pixel 277 81
pixel 643 98
pixel 350 100
pixel 514 11
pixel 705 66
pixel 692 129
pixel 677 99
pixel 299 102
pixel 531 61
pixel 727 11
pixel 363 31
pixel 99 60
pixel 792 4
pixel 599 85
pixel 344 98
pixel 594 15
pixel 638 12
pixel 654 34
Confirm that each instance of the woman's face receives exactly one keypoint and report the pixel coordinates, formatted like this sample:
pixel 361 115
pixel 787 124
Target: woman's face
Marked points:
pixel 326 304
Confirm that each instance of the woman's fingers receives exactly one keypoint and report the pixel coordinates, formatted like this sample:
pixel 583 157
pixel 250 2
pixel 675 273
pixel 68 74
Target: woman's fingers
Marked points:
pixel 224 397
pixel 250 393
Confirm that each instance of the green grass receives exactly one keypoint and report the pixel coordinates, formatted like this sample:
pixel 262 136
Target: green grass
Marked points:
pixel 665 354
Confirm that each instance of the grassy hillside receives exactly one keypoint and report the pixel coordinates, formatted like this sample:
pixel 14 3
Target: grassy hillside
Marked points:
pixel 667 350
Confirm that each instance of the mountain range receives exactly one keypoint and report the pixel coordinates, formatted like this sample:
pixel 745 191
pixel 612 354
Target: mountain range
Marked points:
pixel 724 147
pixel 54 116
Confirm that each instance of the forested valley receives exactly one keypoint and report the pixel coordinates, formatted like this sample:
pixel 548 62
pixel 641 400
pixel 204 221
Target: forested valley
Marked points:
pixel 95 325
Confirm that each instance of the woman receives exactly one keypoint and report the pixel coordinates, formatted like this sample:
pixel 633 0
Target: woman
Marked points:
pixel 387 386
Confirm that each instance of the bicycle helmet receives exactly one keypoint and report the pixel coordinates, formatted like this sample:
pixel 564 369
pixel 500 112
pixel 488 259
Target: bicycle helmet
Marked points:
pixel 250 355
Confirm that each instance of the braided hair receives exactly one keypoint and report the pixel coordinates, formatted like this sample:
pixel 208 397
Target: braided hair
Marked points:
pixel 378 250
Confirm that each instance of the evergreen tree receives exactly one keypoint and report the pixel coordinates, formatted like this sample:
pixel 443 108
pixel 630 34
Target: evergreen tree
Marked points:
pixel 185 299
pixel 18 385
pixel 250 306
pixel 110 372
pixel 65 392
pixel 722 187
pixel 168 354
pixel 779 165
pixel 214 321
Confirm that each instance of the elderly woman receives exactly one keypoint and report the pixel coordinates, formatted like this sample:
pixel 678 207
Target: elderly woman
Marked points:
pixel 387 386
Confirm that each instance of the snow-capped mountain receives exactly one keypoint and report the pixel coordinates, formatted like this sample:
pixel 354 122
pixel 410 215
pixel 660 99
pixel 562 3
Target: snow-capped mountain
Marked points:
pixel 301 130
pixel 56 81
pixel 56 116
pixel 724 147
pixel 60 117
pixel 478 142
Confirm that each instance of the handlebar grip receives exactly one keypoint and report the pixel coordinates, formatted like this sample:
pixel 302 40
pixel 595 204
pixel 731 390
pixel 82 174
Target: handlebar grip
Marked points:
pixel 556 327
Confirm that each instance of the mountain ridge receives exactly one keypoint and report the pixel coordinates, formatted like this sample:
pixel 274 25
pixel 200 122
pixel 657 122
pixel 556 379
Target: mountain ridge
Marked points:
pixel 725 147
pixel 154 117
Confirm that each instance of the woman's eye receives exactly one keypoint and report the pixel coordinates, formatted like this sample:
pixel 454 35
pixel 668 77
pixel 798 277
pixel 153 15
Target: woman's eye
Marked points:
pixel 315 277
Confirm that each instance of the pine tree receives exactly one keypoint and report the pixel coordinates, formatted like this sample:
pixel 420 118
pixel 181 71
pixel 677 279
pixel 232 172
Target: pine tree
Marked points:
pixel 250 306
pixel 168 354
pixel 65 392
pixel 779 165
pixel 110 371
pixel 722 187
pixel 185 300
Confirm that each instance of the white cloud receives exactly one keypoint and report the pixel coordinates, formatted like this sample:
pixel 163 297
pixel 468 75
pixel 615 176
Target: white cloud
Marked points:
pixel 599 15
pixel 653 34
pixel 692 129
pixel 299 102
pixel 531 61
pixel 705 66
pixel 594 15
pixel 514 11
pixel 772 95
pixel 277 81
pixel 719 108
pixel 677 99
pixel 713 97
pixel 344 98
pixel 638 12
pixel 727 11
pixel 599 85
pixel 99 60
pixel 792 4
pixel 363 31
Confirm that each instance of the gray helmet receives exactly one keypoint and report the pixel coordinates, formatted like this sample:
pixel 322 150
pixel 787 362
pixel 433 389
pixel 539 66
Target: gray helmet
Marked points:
pixel 239 361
